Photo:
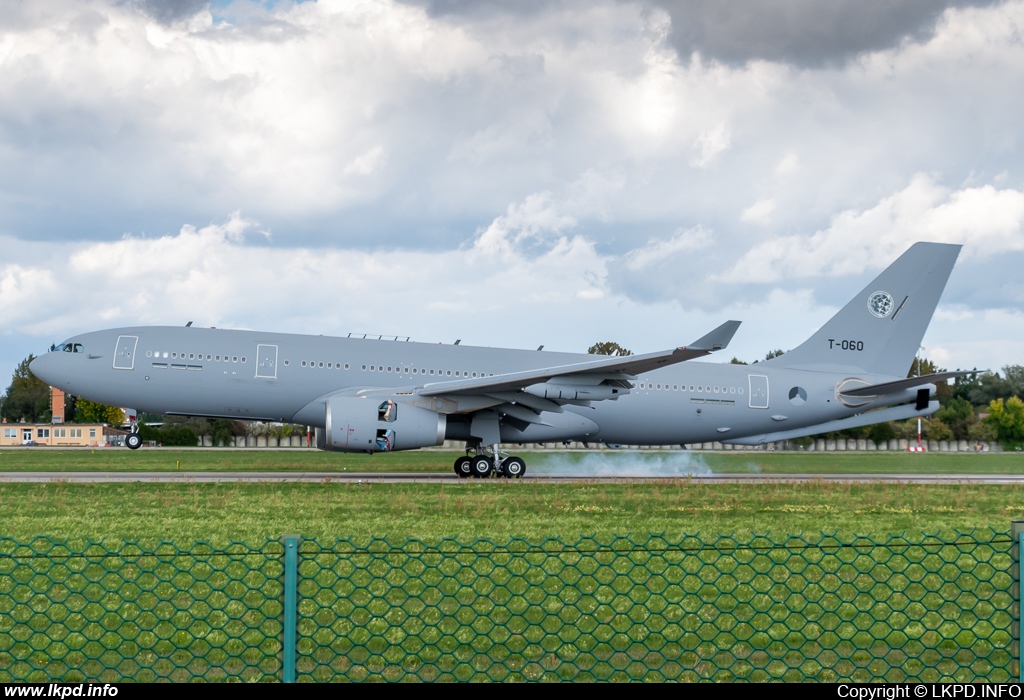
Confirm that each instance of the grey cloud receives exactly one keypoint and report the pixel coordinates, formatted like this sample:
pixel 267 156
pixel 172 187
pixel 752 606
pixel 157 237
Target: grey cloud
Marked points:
pixel 482 8
pixel 802 32
pixel 170 11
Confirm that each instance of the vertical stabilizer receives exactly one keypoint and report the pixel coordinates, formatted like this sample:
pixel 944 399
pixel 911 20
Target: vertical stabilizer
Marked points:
pixel 881 329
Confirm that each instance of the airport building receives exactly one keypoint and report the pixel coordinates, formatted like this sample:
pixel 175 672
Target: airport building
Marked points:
pixel 60 434
pixel 57 433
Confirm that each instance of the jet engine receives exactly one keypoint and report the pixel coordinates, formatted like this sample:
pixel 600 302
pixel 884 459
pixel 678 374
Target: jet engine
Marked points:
pixel 359 424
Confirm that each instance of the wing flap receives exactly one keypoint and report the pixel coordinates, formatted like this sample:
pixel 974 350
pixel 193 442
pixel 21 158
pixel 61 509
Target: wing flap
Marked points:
pixel 522 413
pixel 534 403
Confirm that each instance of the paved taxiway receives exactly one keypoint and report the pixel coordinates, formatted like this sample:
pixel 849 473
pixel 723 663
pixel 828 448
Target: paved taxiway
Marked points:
pixel 435 477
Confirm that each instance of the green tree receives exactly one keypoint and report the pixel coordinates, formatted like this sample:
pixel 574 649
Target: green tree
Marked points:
pixel 906 429
pixel 27 397
pixel 958 413
pixel 1007 417
pixel 881 432
pixel 609 348
pixel 178 436
pixel 1014 378
pixel 91 412
pixel 771 355
pixel 736 361
pixel 174 435
pixel 934 429
pixel 982 390
pixel 921 366
pixel 222 431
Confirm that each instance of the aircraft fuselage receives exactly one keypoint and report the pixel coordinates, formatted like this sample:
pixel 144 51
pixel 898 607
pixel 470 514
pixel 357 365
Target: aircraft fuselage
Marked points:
pixel 281 377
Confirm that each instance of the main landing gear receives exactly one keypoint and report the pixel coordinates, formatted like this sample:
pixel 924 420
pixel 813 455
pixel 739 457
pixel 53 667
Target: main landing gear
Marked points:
pixel 481 465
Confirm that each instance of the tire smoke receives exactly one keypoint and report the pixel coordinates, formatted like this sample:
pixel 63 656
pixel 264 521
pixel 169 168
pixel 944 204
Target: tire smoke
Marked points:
pixel 623 464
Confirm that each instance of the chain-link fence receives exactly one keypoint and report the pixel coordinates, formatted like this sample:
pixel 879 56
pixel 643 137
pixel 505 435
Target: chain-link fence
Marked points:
pixel 825 608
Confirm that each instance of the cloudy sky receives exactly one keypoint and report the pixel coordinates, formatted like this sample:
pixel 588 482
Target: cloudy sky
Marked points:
pixel 513 174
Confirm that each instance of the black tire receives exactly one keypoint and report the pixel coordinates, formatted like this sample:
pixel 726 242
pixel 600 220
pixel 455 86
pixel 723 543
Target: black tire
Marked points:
pixel 513 468
pixel 133 441
pixel 481 465
pixel 463 467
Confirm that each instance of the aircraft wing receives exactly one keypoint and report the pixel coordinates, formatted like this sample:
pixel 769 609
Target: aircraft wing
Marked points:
pixel 625 366
pixel 901 385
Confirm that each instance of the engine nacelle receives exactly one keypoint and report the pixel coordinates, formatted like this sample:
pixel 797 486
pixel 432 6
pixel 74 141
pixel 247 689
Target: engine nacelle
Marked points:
pixel 354 424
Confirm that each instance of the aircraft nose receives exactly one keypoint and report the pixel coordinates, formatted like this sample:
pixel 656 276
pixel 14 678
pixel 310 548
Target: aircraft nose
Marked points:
pixel 43 368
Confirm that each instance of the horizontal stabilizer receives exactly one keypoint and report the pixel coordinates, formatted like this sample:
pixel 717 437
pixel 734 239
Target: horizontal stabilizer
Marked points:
pixel 901 385
pixel 870 418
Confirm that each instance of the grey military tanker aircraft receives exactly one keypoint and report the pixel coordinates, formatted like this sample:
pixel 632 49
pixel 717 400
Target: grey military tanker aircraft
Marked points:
pixel 371 395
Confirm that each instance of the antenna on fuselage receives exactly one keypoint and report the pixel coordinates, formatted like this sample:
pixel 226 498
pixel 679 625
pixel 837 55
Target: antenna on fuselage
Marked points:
pixel 458 341
pixel 188 325
pixel 540 348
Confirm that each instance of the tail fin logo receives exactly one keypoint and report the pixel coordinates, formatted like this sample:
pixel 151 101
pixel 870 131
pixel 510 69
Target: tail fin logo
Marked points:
pixel 880 304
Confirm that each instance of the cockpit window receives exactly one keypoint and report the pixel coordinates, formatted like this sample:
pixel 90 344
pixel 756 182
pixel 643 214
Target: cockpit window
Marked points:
pixel 69 347
pixel 79 348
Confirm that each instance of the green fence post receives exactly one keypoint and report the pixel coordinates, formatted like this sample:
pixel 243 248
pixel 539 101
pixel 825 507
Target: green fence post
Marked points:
pixel 291 597
pixel 1017 589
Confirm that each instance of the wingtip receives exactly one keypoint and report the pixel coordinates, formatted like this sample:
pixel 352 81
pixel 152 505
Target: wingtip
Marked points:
pixel 717 339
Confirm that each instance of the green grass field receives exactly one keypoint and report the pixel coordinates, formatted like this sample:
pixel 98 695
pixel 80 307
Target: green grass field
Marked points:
pixel 497 510
pixel 604 462
pixel 922 637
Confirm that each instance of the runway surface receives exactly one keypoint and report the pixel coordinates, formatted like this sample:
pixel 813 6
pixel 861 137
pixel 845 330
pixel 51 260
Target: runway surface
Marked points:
pixel 440 477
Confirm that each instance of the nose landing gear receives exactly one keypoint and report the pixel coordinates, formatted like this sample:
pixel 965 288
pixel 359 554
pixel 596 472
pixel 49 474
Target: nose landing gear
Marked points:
pixel 134 440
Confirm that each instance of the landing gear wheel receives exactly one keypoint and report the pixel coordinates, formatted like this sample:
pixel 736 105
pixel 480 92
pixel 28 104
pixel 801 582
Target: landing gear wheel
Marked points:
pixel 464 467
pixel 481 466
pixel 513 468
pixel 133 441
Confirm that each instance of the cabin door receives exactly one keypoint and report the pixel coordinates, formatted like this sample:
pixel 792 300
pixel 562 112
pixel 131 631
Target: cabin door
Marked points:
pixel 124 352
pixel 266 362
pixel 758 390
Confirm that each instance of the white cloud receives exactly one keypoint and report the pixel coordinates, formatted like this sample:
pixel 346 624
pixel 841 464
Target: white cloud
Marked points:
pixel 367 163
pixel 218 273
pixel 987 221
pixel 789 165
pixel 383 142
pixel 759 212
pixel 708 145
pixel 659 250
